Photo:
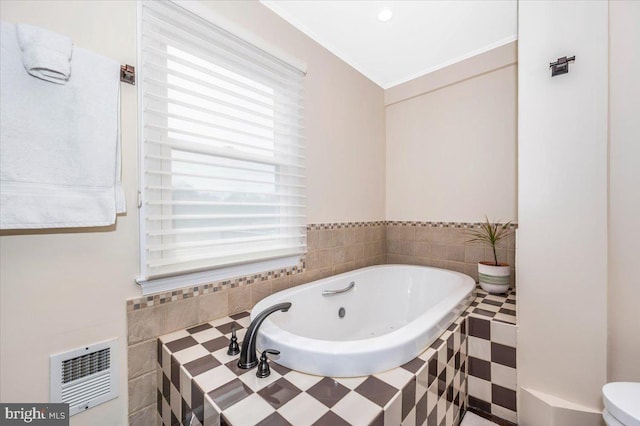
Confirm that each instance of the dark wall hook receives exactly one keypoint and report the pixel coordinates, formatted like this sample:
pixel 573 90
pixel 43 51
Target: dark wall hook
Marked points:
pixel 128 74
pixel 561 66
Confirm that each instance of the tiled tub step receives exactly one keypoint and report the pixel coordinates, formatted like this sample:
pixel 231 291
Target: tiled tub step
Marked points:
pixel 198 379
pixel 199 384
pixel 492 355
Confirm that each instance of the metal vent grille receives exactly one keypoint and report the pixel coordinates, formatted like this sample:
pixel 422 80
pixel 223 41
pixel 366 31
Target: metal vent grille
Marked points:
pixel 82 366
pixel 85 377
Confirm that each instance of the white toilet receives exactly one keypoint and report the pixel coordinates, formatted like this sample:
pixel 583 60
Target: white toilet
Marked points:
pixel 621 404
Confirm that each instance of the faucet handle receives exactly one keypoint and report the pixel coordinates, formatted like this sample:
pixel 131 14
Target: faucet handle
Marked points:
pixel 263 367
pixel 234 349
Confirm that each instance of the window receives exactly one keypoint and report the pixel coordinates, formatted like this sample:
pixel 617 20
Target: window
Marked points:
pixel 222 151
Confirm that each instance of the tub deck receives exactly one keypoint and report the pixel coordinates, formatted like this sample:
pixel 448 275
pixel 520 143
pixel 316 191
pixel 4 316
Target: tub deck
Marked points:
pixel 197 378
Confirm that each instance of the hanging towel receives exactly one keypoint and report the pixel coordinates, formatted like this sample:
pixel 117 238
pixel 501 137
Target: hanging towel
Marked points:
pixel 59 144
pixel 45 54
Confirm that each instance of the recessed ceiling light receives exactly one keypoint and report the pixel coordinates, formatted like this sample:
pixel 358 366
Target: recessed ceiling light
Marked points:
pixel 385 14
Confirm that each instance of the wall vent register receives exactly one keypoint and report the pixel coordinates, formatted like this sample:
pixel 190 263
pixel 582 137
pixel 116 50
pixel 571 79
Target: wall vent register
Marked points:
pixel 85 377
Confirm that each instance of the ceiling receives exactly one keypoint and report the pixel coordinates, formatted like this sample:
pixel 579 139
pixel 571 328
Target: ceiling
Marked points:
pixel 421 37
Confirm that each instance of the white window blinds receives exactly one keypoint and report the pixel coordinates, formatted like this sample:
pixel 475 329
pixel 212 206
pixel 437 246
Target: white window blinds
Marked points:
pixel 223 151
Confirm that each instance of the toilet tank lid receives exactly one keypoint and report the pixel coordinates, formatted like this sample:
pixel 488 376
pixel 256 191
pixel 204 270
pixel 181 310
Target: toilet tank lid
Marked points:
pixel 622 400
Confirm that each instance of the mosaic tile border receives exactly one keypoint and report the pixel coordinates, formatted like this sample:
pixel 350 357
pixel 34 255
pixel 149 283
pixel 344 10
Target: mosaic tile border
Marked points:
pixel 187 292
pixel 343 225
pixel 198 384
pixel 459 225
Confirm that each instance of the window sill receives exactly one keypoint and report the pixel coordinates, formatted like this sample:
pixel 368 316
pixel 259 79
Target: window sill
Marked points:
pixel 158 285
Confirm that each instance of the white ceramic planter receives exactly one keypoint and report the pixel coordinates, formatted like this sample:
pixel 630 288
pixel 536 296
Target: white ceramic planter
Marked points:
pixel 494 279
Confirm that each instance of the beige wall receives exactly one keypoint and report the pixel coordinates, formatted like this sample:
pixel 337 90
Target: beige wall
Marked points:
pixel 451 142
pixel 344 122
pixel 624 192
pixel 562 205
pixel 62 290
pixel 476 65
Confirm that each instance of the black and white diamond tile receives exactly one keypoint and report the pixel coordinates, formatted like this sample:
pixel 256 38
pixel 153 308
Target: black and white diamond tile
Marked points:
pixel 492 367
pixel 200 384
pixel 472 362
pixel 498 307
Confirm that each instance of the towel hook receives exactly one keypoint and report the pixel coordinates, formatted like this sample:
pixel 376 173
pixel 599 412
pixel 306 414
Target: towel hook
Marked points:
pixel 128 74
pixel 561 66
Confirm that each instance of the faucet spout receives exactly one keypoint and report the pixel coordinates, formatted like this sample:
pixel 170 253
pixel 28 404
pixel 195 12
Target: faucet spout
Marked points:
pixel 248 358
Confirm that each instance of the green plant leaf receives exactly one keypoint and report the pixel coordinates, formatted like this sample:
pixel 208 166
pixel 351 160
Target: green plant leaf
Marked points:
pixel 490 233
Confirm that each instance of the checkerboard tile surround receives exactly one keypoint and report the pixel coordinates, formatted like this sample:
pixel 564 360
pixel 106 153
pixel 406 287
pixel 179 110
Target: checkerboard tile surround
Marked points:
pixel 492 355
pixel 199 384
pixel 496 307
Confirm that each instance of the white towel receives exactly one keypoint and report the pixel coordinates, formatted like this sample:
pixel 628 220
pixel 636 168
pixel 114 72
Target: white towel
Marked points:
pixel 45 54
pixel 59 144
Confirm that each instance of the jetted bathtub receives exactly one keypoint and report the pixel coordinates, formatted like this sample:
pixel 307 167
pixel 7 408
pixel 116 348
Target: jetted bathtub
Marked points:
pixel 391 314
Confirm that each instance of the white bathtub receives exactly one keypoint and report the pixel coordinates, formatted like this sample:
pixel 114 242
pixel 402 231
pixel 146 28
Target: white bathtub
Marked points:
pixel 393 313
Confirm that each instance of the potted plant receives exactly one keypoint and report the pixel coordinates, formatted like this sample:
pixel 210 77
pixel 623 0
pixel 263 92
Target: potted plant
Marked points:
pixel 493 276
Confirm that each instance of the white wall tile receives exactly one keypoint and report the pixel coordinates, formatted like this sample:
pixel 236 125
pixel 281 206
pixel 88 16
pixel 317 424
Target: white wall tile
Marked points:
pixel 504 334
pixel 479 388
pixel 504 376
pixel 504 413
pixel 479 348
pixel 393 410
